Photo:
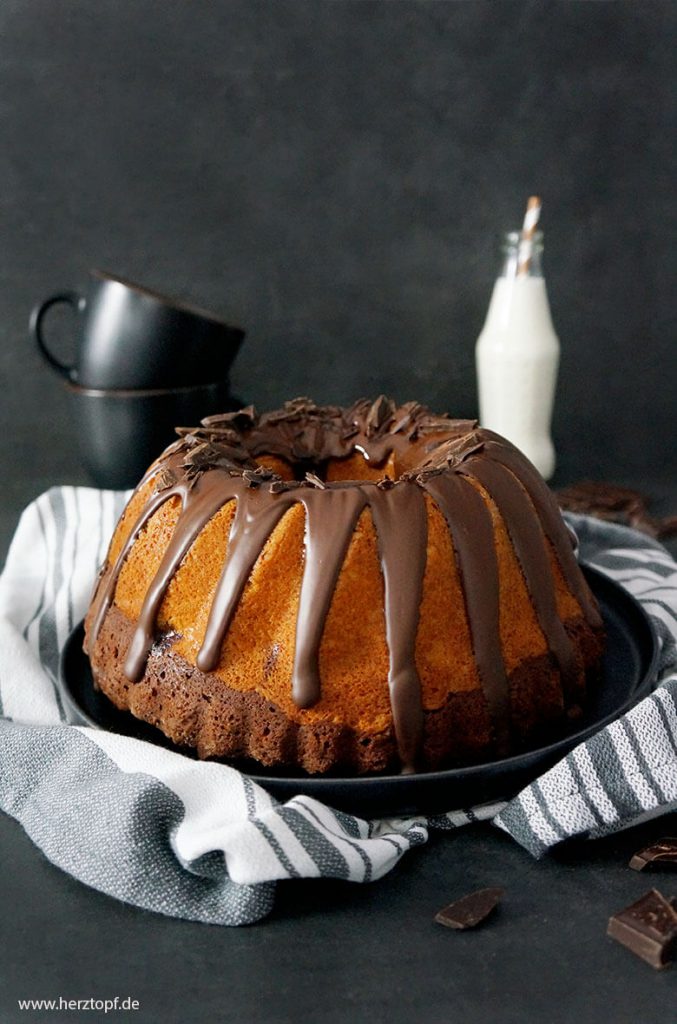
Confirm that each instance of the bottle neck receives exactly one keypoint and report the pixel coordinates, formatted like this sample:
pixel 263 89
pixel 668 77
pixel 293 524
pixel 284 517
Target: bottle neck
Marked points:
pixel 521 258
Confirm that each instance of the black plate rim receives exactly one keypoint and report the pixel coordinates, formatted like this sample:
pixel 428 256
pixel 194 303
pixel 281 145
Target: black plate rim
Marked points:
pixel 360 786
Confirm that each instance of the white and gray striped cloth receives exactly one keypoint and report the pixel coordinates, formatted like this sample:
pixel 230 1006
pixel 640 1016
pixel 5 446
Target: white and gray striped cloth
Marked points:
pixel 203 842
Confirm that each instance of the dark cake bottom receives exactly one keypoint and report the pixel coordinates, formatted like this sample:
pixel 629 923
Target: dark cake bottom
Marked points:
pixel 196 709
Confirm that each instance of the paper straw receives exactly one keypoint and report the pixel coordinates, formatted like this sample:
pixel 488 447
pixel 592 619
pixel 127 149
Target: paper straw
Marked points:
pixel 531 216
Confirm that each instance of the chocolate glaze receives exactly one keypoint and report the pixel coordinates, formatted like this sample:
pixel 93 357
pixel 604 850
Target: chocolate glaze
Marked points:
pixel 472 536
pixel 401 524
pixel 529 546
pixel 447 460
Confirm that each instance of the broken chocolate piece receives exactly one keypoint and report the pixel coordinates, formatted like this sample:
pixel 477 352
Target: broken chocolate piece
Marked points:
pixel 379 414
pixel 616 504
pixel 663 851
pixel 240 418
pixel 164 480
pixel 470 910
pixel 648 928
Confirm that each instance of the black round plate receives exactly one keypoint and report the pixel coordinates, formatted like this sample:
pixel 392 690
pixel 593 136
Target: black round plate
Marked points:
pixel 628 673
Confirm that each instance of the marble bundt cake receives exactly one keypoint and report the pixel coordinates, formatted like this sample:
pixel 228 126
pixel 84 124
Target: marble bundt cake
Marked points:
pixel 362 589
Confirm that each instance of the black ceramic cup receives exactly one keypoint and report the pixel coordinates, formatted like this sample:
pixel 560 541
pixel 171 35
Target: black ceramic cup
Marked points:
pixel 130 337
pixel 121 432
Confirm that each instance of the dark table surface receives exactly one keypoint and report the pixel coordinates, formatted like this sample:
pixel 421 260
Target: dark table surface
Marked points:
pixel 335 951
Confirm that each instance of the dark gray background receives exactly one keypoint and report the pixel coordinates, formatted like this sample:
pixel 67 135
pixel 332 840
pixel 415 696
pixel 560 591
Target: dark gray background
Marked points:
pixel 333 176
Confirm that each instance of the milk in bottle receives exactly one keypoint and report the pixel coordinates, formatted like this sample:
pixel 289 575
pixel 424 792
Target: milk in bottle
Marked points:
pixel 517 355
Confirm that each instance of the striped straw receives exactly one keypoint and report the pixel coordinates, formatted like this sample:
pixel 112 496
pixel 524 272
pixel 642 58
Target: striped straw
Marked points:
pixel 533 212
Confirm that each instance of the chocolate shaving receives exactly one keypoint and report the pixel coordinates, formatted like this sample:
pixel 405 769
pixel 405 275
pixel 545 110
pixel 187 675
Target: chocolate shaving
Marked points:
pixel 314 479
pixel 206 454
pixel 430 424
pixel 400 425
pixel 282 416
pixel 189 435
pixel 359 410
pixel 664 851
pixel 292 410
pixel 436 426
pixel 379 414
pixel 428 473
pixel 307 435
pixel 470 910
pixel 461 453
pixel 197 452
pixel 648 928
pixel 164 480
pixel 240 418
pixel 226 434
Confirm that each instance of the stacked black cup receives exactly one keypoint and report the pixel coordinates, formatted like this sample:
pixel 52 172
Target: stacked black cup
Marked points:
pixel 143 365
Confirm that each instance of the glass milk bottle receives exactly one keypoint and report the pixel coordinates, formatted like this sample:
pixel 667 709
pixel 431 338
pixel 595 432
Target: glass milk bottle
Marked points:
pixel 517 354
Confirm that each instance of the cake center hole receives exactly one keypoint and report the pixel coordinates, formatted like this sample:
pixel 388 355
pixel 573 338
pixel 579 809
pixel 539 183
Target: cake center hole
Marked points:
pixel 353 467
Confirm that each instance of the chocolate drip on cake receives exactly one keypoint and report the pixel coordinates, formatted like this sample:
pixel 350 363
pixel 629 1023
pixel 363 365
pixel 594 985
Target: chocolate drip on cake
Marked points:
pixel 472 536
pixel 198 509
pixel 550 519
pixel 402 529
pixel 530 548
pixel 255 519
pixel 330 521
pixel 449 461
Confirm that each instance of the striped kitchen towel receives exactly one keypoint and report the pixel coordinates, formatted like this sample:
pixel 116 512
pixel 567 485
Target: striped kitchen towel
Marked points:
pixel 201 841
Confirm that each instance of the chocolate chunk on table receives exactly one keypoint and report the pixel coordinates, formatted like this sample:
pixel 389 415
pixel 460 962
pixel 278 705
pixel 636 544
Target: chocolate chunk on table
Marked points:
pixel 664 851
pixel 616 504
pixel 470 910
pixel 648 928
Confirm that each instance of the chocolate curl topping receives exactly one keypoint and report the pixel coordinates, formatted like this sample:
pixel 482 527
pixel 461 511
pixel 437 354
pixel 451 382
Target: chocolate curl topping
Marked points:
pixel 164 480
pixel 379 414
pixel 258 476
pixel 457 453
pixel 241 419
pixel 296 409
pixel 411 411
pixel 207 455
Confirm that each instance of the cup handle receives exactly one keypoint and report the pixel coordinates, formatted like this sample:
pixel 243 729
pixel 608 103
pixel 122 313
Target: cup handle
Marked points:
pixel 35 327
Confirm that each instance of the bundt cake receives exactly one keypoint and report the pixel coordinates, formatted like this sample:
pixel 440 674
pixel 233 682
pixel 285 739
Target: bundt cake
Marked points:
pixel 361 589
